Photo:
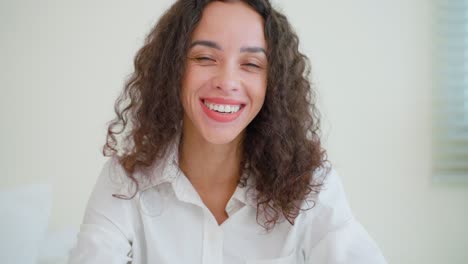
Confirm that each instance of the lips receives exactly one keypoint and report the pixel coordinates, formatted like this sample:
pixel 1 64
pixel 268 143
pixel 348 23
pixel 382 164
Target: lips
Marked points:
pixel 222 110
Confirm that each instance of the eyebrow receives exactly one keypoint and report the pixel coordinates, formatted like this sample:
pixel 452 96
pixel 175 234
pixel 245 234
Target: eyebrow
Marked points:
pixel 206 43
pixel 214 45
pixel 253 49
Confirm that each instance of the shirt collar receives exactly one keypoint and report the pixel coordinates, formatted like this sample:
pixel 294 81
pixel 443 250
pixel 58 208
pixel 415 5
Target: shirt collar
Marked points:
pixel 167 170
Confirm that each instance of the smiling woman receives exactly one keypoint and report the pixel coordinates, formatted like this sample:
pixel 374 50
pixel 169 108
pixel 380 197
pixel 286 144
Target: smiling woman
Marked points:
pixel 222 162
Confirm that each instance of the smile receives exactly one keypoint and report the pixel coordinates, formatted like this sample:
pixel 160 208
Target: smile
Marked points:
pixel 222 108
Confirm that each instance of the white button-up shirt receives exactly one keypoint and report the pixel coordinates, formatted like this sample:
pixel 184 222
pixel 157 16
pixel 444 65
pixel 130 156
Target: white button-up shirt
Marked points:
pixel 167 222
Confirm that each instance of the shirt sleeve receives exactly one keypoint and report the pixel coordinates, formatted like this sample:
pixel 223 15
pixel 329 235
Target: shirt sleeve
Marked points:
pixel 336 237
pixel 349 244
pixel 105 235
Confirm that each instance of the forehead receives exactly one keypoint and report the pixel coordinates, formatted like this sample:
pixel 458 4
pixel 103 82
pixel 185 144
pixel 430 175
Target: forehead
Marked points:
pixel 230 23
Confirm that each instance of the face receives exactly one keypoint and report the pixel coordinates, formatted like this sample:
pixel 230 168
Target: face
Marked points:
pixel 224 84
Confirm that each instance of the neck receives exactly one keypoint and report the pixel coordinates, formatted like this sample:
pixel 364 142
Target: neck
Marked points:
pixel 209 165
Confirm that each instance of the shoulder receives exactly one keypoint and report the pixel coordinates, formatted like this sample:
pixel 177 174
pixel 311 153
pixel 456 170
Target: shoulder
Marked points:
pixel 330 205
pixel 111 183
pixel 333 234
pixel 113 178
pixel 332 192
pixel 115 191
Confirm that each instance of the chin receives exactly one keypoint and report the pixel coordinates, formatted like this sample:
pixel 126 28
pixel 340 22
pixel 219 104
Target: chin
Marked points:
pixel 220 137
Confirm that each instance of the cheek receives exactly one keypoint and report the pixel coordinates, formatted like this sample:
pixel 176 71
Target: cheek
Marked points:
pixel 195 77
pixel 188 84
pixel 185 93
pixel 259 91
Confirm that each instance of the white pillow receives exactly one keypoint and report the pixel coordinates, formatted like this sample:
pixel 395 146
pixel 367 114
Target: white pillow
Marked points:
pixel 24 214
pixel 56 246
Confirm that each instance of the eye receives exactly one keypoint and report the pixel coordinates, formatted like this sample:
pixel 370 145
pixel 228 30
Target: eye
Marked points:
pixel 204 59
pixel 252 65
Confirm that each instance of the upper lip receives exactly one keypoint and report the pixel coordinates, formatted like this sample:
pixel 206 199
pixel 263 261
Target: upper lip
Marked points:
pixel 224 101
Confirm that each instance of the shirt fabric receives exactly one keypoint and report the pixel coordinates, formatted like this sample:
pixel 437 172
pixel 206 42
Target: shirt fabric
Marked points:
pixel 167 222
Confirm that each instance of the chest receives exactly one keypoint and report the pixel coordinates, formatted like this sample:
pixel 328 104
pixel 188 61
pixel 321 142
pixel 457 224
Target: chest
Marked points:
pixel 186 233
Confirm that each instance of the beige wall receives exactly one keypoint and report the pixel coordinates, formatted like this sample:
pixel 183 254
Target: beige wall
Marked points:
pixel 64 62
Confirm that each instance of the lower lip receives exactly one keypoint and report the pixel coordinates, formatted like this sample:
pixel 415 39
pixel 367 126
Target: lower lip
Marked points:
pixel 220 117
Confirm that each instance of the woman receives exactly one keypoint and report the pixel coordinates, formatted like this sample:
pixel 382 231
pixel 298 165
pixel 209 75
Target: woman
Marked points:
pixel 222 161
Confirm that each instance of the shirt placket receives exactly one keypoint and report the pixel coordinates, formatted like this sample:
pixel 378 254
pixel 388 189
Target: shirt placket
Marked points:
pixel 212 240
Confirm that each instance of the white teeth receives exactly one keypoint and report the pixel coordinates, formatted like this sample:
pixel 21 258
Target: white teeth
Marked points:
pixel 222 108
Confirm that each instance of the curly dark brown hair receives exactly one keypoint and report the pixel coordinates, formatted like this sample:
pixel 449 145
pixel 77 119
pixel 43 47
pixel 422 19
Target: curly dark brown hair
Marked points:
pixel 281 148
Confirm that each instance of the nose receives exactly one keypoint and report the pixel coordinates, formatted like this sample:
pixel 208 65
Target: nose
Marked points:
pixel 227 79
